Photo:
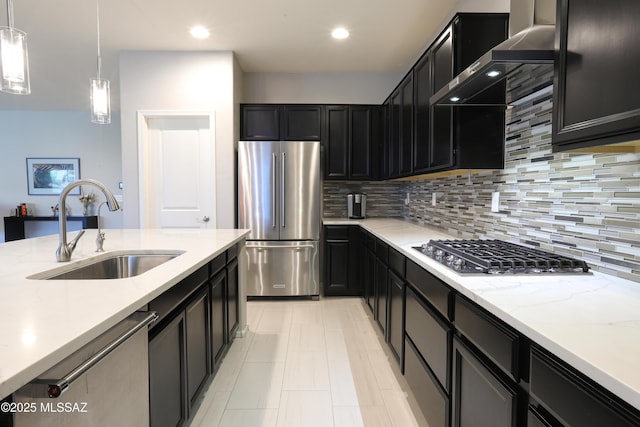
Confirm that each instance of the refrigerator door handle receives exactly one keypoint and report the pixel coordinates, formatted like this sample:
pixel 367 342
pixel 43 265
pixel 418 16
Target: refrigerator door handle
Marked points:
pixel 262 248
pixel 273 190
pixel 283 197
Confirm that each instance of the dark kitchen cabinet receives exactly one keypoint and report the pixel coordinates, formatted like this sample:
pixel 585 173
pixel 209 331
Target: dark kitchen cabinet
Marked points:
pixel 341 266
pixel 421 112
pixel 197 326
pixel 480 397
pixel 428 341
pixel 432 400
pixel 260 122
pixel 368 267
pixel 353 137
pixel 167 375
pixel 497 341
pixel 424 138
pixel 400 143
pixel 179 349
pixel 467 137
pixel 596 84
pixel 190 337
pixel 406 125
pixel 232 299
pixel 441 117
pixel 218 316
pixel 486 369
pixel 336 164
pixel 395 314
pixel 365 137
pixel 274 122
pixel 381 280
pixel 394 135
pixel 563 396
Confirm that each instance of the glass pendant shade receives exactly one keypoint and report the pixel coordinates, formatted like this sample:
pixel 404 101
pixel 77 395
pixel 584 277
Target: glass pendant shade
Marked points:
pixel 14 61
pixel 100 101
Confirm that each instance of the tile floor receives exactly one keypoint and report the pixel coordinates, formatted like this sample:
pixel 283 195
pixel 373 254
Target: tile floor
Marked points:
pixel 308 363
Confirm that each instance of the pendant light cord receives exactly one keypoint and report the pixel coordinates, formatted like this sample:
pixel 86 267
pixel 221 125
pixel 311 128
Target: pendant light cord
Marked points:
pixel 10 13
pixel 98 33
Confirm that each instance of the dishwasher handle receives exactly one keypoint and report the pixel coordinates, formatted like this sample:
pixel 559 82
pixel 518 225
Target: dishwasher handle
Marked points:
pixel 56 387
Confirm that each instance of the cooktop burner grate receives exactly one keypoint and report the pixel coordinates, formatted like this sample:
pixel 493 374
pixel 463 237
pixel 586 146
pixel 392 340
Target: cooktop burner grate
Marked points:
pixel 499 257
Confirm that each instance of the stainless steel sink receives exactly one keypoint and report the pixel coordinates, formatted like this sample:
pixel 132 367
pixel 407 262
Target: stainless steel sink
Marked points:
pixel 111 266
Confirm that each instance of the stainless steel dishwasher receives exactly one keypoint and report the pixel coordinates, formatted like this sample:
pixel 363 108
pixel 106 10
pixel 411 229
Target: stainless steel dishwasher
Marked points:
pixel 105 383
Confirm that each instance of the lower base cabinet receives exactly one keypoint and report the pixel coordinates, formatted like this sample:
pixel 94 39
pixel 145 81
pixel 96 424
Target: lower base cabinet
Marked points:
pixel 467 368
pixel 396 317
pixel 479 397
pixel 218 316
pixel 341 247
pixel 197 326
pixel 563 397
pixel 167 379
pixel 232 299
pixel 433 402
pixel 197 320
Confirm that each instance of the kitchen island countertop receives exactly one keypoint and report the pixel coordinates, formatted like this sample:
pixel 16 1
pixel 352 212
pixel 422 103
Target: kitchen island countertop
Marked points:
pixel 45 321
pixel 590 321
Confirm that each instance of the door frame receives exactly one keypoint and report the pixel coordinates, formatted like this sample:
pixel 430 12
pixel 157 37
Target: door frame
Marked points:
pixel 142 121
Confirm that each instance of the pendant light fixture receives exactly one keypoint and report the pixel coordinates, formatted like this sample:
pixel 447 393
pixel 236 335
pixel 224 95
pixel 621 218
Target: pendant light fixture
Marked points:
pixel 14 61
pixel 100 90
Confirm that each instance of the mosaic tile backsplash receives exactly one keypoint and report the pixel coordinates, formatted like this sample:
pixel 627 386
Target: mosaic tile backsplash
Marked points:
pixel 581 205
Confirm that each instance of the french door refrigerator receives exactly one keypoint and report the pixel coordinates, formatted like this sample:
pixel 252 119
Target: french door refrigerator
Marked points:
pixel 279 200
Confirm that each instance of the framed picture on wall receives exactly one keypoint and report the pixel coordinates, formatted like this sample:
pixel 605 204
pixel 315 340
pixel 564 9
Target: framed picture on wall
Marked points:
pixel 49 176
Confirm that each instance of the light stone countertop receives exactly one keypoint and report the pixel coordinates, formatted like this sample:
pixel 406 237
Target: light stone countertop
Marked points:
pixel 592 321
pixel 44 321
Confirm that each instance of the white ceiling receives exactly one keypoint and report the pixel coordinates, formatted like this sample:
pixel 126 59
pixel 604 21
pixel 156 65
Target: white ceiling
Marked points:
pixel 266 36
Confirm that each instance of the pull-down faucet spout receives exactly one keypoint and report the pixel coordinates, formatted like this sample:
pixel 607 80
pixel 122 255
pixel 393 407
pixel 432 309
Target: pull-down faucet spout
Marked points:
pixel 64 251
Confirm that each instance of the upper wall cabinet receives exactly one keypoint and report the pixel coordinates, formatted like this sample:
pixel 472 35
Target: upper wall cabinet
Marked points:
pixel 423 138
pixel 271 122
pixel 596 95
pixel 399 148
pixel 466 137
pixel 423 90
pixel 352 138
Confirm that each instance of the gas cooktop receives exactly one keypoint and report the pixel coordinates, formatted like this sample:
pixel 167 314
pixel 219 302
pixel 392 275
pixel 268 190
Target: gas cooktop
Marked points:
pixel 498 257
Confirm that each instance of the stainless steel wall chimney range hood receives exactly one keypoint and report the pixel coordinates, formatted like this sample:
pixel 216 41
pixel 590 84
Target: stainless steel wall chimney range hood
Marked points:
pixel 531 39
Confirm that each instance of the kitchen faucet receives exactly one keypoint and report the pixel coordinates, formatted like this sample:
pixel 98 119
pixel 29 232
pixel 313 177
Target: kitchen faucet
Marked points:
pixel 64 251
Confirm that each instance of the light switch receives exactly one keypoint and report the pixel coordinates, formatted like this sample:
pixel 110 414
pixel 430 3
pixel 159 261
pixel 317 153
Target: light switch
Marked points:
pixel 433 199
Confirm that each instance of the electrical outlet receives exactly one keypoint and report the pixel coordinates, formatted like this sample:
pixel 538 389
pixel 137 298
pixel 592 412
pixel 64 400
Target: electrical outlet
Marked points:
pixel 433 199
pixel 495 201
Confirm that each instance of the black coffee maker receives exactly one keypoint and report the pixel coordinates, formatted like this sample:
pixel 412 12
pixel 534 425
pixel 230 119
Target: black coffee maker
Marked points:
pixel 356 205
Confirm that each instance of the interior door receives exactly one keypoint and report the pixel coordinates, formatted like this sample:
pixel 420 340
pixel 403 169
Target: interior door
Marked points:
pixel 177 171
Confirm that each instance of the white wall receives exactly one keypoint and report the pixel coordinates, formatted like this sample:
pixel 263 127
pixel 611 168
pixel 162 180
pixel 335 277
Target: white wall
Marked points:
pixel 57 134
pixel 179 81
pixel 319 88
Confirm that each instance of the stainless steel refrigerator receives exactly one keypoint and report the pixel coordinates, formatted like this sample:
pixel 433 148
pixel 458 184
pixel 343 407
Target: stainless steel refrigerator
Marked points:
pixel 279 200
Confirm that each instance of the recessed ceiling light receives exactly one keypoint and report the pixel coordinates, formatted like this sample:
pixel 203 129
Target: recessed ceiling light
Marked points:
pixel 454 99
pixel 493 73
pixel 340 33
pixel 199 32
